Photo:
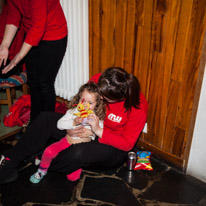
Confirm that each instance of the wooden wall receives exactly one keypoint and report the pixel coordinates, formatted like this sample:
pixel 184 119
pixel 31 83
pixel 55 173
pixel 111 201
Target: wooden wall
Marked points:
pixel 160 42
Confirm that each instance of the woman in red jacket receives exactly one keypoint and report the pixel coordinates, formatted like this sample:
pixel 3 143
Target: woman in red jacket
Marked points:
pixel 44 47
pixel 125 118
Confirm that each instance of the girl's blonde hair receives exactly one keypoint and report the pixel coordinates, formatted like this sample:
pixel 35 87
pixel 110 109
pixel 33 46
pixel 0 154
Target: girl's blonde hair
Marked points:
pixel 91 87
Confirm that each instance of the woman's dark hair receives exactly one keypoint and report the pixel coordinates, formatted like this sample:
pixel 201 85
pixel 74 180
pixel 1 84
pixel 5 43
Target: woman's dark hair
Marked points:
pixel 116 84
pixel 91 87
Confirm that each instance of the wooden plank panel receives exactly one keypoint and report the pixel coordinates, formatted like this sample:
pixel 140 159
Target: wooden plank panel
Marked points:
pixel 119 38
pixel 154 98
pixel 107 33
pixel 94 35
pixel 178 142
pixel 130 36
pixel 161 74
pixel 90 37
pixel 170 19
pixel 172 104
pixel 142 61
pixel 157 30
pixel 140 12
pixel 182 35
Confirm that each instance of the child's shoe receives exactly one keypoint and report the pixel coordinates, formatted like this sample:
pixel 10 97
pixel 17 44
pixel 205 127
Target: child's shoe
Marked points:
pixel 37 177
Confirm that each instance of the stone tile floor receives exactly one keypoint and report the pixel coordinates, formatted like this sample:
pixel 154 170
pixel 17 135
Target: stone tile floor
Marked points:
pixel 164 186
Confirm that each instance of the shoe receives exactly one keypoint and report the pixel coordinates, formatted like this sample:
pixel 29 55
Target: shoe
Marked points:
pixel 8 171
pixel 37 177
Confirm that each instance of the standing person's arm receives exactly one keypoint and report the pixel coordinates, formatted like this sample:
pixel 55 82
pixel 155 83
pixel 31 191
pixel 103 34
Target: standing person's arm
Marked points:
pixel 19 56
pixel 34 35
pixel 9 34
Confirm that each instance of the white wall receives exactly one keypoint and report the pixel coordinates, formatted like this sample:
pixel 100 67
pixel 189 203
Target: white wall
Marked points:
pixel 197 159
pixel 74 70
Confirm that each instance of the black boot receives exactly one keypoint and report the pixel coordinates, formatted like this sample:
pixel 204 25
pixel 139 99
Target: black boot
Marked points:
pixel 8 171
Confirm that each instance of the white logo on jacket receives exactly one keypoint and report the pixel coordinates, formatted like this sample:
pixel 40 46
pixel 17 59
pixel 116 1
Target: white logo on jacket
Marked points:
pixel 114 118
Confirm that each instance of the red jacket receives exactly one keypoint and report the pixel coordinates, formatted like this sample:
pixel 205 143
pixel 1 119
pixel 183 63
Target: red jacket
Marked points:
pixel 42 19
pixel 122 129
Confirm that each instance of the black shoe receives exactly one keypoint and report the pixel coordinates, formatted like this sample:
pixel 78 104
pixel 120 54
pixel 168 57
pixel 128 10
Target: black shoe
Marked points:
pixel 8 171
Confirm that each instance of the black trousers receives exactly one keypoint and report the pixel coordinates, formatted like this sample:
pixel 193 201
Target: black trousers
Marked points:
pixel 42 64
pixel 92 155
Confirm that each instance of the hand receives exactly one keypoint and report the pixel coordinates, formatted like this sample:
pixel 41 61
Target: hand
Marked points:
pixel 94 123
pixel 77 121
pixel 12 64
pixel 85 133
pixel 74 132
pixel 4 53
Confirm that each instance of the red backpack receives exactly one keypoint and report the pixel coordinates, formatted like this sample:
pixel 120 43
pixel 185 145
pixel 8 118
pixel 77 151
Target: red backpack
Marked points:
pixel 19 112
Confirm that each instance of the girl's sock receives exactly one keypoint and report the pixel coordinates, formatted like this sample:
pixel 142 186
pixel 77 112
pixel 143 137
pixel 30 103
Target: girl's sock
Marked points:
pixel 42 171
pixel 74 176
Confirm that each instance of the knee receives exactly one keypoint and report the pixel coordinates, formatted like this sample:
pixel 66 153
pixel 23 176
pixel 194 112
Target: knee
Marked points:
pixel 49 152
pixel 78 155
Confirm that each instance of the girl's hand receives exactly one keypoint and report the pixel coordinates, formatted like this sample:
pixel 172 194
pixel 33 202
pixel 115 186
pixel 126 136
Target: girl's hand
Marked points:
pixel 94 123
pixel 77 121
pixel 4 53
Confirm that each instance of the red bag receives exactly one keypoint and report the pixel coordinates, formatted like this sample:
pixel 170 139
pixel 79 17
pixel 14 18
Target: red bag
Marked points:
pixel 19 112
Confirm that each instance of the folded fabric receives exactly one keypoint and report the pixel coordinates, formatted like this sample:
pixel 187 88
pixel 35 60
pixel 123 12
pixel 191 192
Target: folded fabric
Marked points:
pixel 13 81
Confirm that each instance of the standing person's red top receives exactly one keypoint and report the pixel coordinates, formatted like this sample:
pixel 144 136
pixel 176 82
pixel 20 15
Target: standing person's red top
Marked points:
pixel 122 129
pixel 18 40
pixel 41 19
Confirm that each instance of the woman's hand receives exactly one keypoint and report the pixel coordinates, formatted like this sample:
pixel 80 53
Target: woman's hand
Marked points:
pixel 4 53
pixel 75 132
pixel 94 123
pixel 85 133
pixel 80 131
pixel 12 64
pixel 19 56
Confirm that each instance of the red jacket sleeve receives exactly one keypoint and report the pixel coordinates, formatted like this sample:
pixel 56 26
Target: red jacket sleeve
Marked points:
pixel 39 21
pixel 131 130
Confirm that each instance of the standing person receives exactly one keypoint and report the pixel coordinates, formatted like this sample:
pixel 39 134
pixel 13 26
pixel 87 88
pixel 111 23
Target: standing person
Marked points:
pixel 89 100
pixel 16 44
pixel 125 118
pixel 44 47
